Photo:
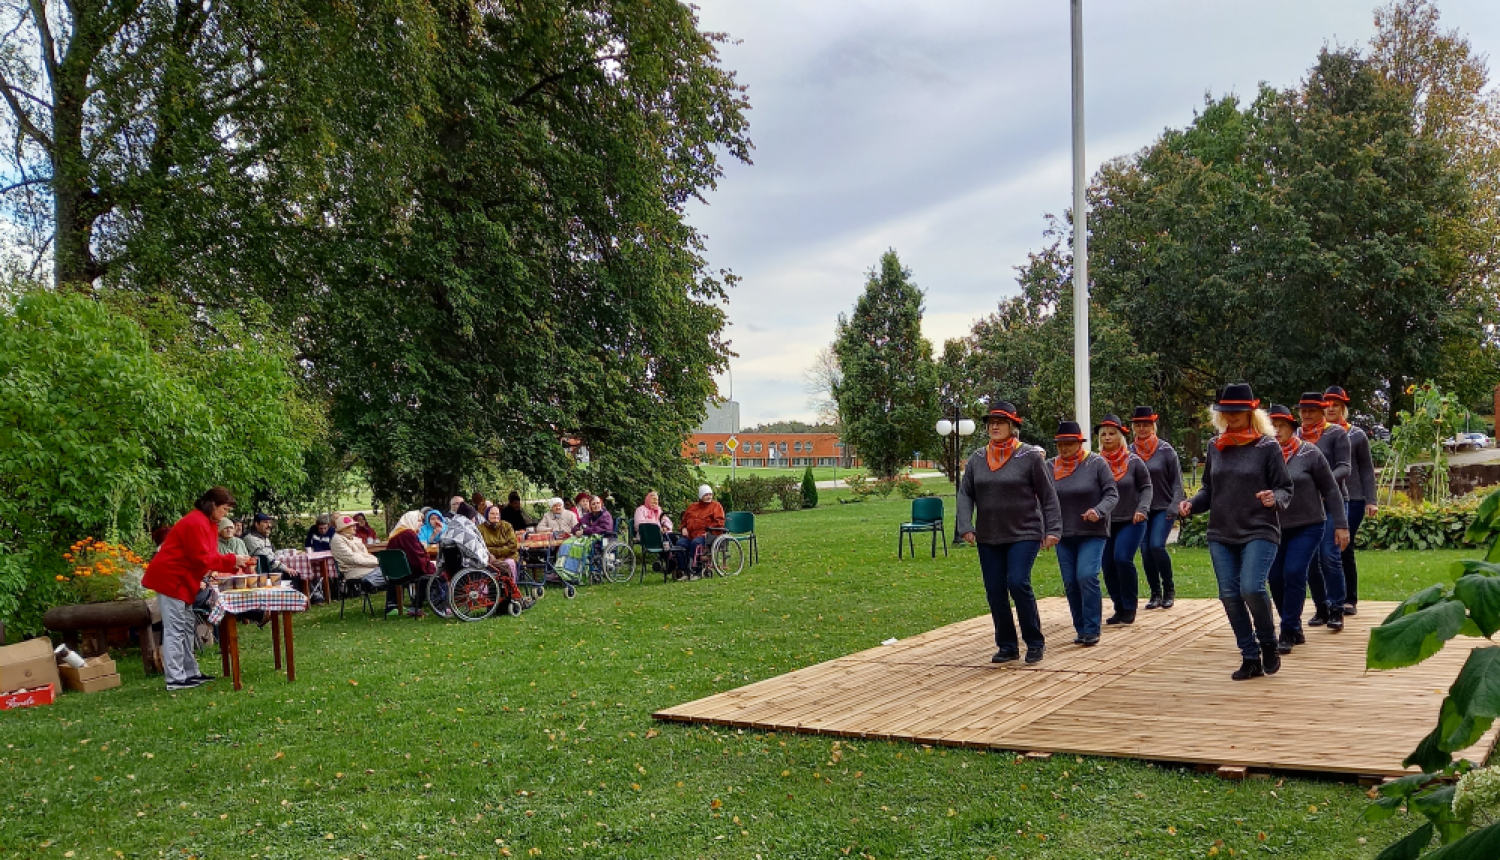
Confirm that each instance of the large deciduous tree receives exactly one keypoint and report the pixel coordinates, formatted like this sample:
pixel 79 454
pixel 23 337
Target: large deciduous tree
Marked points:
pixel 888 394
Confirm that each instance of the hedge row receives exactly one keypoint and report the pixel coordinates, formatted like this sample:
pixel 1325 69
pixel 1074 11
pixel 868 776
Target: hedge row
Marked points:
pixel 1424 526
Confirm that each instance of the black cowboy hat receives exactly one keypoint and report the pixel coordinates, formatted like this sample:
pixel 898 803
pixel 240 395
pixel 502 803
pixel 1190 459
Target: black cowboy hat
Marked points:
pixel 1069 431
pixel 1143 413
pixel 1336 393
pixel 1003 410
pixel 1285 414
pixel 1111 421
pixel 1236 397
pixel 1312 400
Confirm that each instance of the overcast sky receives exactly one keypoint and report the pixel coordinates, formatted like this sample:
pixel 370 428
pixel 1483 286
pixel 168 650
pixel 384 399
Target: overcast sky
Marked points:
pixel 941 129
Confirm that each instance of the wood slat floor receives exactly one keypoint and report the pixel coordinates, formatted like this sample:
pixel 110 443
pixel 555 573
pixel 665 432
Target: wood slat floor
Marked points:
pixel 1157 690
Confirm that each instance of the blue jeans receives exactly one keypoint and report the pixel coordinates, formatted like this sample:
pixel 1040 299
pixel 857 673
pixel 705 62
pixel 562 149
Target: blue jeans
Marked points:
pixel 1241 570
pixel 687 550
pixel 1351 572
pixel 1288 577
pixel 1007 571
pixel 1154 556
pixel 1079 559
pixel 1119 567
pixel 1326 578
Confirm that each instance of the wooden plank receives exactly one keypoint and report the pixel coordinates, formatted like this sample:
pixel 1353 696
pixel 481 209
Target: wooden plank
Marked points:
pixel 1157 690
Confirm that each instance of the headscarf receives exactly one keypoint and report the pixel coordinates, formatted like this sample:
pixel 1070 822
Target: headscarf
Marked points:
pixel 997 453
pixel 427 533
pixel 410 521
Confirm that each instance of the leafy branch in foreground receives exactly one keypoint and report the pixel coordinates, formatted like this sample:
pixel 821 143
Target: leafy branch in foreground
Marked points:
pixel 1454 796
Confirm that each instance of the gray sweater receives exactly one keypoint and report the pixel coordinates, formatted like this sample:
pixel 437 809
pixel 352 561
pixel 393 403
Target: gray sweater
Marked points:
pixel 1315 493
pixel 1017 503
pixel 1231 478
pixel 1334 443
pixel 1135 491
pixel 1166 477
pixel 1091 485
pixel 1361 482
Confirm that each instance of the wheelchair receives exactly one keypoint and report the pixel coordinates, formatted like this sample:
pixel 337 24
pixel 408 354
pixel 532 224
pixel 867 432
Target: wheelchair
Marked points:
pixel 465 593
pixel 721 556
pixel 594 560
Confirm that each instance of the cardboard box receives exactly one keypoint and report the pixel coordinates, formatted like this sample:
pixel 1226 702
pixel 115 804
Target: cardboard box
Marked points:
pixel 44 695
pixel 94 669
pixel 94 685
pixel 28 665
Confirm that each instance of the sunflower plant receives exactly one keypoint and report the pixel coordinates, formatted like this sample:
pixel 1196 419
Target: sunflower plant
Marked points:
pixel 100 571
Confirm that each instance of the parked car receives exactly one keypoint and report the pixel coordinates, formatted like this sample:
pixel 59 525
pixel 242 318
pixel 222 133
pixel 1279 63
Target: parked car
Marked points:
pixel 1467 442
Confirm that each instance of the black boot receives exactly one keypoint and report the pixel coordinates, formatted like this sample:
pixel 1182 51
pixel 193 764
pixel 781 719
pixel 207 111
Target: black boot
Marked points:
pixel 1335 620
pixel 1270 660
pixel 1005 655
pixel 1349 609
pixel 1169 598
pixel 1249 669
pixel 1320 617
pixel 1287 640
pixel 1154 602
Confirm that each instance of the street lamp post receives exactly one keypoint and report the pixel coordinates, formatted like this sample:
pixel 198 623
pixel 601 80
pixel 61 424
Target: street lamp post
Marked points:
pixel 952 430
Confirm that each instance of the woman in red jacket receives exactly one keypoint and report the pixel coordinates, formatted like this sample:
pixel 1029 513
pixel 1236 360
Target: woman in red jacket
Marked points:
pixel 176 573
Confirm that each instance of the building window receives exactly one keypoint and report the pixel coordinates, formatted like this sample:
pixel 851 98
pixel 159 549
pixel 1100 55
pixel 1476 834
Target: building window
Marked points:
pixel 757 447
pixel 718 447
pixel 783 447
pixel 702 447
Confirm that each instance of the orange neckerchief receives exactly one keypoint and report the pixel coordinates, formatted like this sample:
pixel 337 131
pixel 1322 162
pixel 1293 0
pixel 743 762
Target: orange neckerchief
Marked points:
pixel 1312 436
pixel 1145 446
pixel 1344 423
pixel 998 453
pixel 1062 467
pixel 1118 460
pixel 1290 447
pixel 1236 437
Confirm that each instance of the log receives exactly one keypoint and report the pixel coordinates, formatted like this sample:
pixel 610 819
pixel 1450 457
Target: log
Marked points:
pixel 96 616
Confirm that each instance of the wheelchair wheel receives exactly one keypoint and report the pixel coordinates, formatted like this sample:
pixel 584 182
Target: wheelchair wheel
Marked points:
pixel 512 608
pixel 618 562
pixel 728 556
pixel 473 595
pixel 571 592
pixel 437 597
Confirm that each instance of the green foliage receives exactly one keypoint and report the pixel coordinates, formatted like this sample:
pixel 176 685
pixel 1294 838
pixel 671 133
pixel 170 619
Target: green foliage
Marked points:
pixel 809 489
pixel 1414 631
pixel 888 395
pixel 758 493
pixel 1419 436
pixel 101 435
pixel 1424 526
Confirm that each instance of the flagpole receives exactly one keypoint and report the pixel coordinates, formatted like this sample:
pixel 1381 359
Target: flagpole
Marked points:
pixel 1081 404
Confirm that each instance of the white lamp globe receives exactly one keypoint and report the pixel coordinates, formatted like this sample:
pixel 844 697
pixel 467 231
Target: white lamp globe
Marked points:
pixel 944 427
pixel 966 427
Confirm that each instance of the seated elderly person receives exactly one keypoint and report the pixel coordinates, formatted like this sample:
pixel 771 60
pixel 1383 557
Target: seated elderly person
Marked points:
pixel 453 504
pixel 404 539
pixel 320 536
pixel 258 542
pixel 354 561
pixel 228 543
pixel 580 504
pixel 650 512
pixel 432 527
pixel 597 522
pixel 556 520
pixel 697 521
pixel 513 514
pixel 363 530
pixel 500 540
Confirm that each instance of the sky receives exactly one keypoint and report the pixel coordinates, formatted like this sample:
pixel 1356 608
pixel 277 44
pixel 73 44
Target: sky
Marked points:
pixel 943 130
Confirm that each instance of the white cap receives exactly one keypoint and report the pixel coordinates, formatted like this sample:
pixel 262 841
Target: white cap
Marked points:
pixel 704 490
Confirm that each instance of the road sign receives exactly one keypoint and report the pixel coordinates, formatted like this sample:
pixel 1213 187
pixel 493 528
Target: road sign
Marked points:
pixel 733 444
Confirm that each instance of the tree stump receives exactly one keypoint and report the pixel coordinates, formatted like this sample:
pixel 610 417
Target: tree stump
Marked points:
pixel 92 622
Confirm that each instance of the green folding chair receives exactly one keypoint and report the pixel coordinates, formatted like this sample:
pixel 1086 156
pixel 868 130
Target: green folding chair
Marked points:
pixel 740 526
pixel 655 549
pixel 926 516
pixel 396 568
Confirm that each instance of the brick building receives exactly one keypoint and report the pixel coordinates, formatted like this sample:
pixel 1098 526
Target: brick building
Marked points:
pixel 793 450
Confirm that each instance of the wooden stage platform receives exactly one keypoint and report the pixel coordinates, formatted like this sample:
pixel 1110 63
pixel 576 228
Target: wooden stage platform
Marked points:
pixel 1157 690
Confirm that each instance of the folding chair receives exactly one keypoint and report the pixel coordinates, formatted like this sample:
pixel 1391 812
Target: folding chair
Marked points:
pixel 740 526
pixel 926 516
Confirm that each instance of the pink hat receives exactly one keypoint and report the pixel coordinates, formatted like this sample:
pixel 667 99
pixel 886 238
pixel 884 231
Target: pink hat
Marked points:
pixel 344 522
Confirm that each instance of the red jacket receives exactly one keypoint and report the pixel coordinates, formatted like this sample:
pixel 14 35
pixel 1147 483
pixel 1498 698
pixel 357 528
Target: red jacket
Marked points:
pixel 416 554
pixel 189 553
pixel 700 517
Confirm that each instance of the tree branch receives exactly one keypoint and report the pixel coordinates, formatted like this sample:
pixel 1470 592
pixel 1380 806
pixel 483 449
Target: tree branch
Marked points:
pixel 22 119
pixel 554 78
pixel 44 33
pixel 9 188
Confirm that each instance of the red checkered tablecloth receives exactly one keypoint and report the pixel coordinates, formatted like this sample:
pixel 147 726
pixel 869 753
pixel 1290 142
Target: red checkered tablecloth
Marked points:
pixel 266 599
pixel 300 564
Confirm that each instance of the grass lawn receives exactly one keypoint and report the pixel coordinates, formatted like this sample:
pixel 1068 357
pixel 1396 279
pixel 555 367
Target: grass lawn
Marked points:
pixel 532 737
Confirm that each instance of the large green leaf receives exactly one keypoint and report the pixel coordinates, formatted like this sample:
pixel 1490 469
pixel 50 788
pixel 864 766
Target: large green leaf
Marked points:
pixel 1421 600
pixel 1413 638
pixel 1485 521
pixel 1410 847
pixel 1458 731
pixel 1437 806
pixel 1383 808
pixel 1474 565
pixel 1429 754
pixel 1476 692
pixel 1406 786
pixel 1482 844
pixel 1481 594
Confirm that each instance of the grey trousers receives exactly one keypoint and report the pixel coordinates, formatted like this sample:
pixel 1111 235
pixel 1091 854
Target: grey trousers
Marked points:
pixel 179 634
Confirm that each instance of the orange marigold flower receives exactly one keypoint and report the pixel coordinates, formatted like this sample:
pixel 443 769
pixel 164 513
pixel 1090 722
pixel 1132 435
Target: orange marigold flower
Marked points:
pixel 61 578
